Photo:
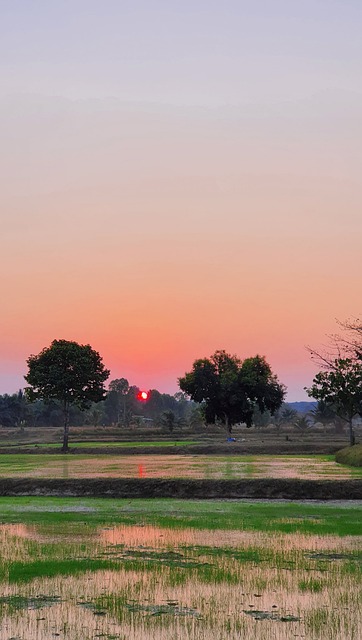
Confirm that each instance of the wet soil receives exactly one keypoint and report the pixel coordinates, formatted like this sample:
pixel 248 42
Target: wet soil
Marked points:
pixel 268 488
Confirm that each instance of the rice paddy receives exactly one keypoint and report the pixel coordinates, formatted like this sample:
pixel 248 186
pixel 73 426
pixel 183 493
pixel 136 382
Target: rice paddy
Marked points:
pixel 160 569
pixel 173 466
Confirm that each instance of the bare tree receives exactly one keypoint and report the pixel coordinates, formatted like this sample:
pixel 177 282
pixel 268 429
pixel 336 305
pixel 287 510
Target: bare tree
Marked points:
pixel 347 344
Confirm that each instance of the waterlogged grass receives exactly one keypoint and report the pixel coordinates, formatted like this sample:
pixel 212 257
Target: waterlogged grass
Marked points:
pixel 93 576
pixel 172 466
pixel 312 585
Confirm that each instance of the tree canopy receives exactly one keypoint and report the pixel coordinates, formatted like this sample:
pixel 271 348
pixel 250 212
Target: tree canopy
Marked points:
pixel 340 388
pixel 66 371
pixel 230 389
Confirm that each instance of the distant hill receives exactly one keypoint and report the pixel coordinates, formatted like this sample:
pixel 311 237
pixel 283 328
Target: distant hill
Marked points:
pixel 302 407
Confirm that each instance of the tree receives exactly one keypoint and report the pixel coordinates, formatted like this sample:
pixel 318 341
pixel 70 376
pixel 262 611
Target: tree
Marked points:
pixel 120 389
pixel 352 338
pixel 341 389
pixel 231 389
pixel 71 373
pixel 345 345
pixel 323 413
pixel 14 410
pixel 168 420
pixel 303 424
pixel 261 420
pixel 285 415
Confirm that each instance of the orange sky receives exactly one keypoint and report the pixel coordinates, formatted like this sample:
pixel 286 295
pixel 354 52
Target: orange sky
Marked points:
pixel 159 225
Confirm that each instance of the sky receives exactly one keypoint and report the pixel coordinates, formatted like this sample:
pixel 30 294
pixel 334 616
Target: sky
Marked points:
pixel 179 177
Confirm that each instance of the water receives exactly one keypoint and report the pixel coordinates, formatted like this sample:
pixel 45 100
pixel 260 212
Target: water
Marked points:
pixel 164 584
pixel 173 466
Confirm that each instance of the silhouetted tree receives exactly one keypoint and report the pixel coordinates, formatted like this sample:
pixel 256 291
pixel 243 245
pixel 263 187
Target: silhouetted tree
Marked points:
pixel 231 389
pixel 340 388
pixel 14 410
pixel 71 373
pixel 120 388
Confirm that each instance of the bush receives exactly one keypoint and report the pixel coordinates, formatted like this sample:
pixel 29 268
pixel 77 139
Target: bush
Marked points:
pixel 350 455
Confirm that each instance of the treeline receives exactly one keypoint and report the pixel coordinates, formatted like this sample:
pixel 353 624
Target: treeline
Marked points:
pixel 121 407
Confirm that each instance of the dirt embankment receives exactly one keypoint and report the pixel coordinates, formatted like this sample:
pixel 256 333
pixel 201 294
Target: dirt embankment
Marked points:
pixel 268 489
pixel 224 449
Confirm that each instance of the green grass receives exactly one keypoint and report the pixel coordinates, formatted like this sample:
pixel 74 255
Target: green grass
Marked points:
pixel 25 572
pixel 319 519
pixel 350 456
pixel 312 585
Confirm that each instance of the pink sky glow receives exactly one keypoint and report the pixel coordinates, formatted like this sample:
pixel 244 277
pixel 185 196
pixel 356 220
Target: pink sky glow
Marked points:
pixel 179 179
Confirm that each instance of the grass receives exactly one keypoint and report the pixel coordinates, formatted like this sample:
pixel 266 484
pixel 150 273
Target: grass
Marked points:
pixel 19 572
pixel 351 456
pixel 315 586
pixel 121 444
pixel 282 517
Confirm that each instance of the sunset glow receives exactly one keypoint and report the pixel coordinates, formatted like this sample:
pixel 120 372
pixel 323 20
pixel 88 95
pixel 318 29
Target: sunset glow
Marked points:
pixel 179 178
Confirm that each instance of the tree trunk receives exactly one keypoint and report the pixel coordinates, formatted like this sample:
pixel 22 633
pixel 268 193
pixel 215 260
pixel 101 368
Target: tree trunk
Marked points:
pixel 228 425
pixel 351 433
pixel 65 447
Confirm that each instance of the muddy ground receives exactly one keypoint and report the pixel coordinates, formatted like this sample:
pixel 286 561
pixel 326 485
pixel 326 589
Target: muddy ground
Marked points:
pixel 275 488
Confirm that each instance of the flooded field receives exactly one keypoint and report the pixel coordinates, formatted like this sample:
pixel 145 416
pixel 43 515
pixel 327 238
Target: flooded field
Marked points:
pixel 67 573
pixel 173 466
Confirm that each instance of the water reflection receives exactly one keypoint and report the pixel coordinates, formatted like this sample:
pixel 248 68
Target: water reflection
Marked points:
pixel 156 537
pixel 167 466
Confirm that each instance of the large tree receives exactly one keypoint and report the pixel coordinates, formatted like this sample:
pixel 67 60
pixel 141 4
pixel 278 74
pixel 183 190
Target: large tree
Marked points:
pixel 69 372
pixel 230 389
pixel 340 387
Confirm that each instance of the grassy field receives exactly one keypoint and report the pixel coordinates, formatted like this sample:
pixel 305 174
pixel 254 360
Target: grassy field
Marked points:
pixel 91 444
pixel 164 569
pixel 161 569
pixel 173 466
pixel 261 441
pixel 274 516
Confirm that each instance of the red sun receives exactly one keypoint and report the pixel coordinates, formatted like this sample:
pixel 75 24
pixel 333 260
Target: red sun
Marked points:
pixel 142 395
